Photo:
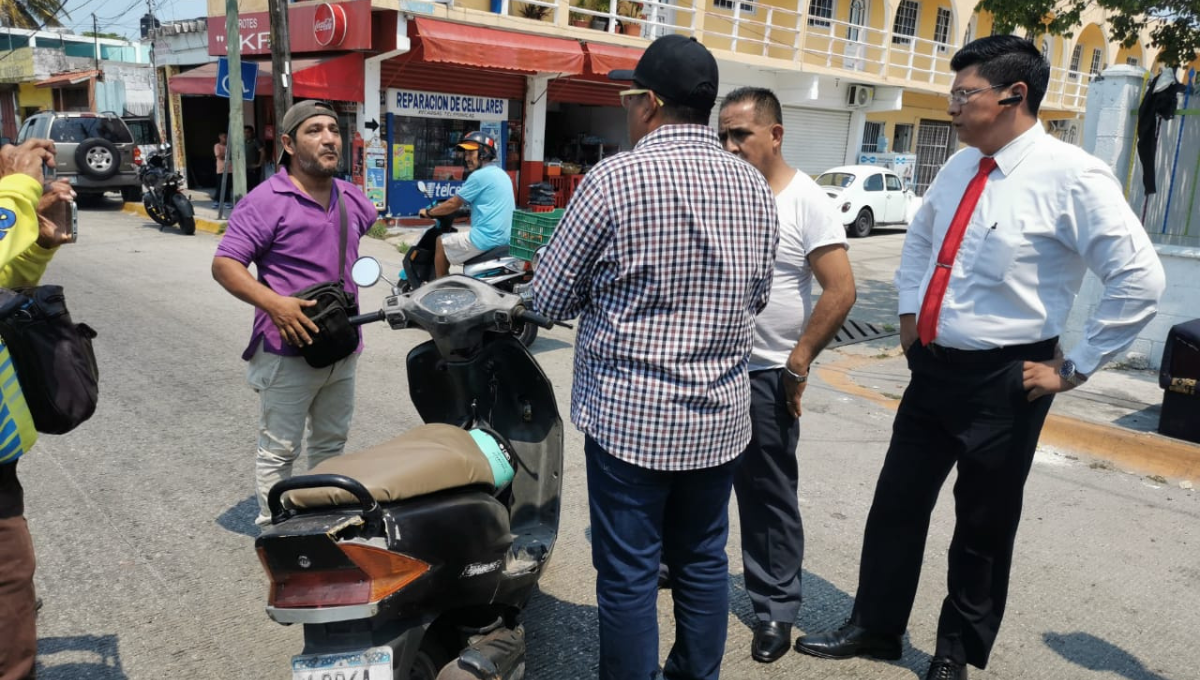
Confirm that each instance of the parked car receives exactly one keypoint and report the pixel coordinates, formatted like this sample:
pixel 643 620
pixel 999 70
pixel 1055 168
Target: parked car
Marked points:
pixel 95 151
pixel 868 195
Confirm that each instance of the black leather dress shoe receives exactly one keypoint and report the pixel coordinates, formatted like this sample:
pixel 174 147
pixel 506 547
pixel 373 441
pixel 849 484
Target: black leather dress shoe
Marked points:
pixel 771 640
pixel 942 668
pixel 850 641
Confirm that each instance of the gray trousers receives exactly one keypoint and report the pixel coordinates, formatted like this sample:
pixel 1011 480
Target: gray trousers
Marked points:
pixel 766 480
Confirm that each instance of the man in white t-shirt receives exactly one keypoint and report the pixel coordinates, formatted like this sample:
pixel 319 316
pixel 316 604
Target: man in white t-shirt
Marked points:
pixel 788 335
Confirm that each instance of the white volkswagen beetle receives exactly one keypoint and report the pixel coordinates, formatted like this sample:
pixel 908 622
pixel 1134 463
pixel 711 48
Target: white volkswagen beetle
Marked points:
pixel 868 195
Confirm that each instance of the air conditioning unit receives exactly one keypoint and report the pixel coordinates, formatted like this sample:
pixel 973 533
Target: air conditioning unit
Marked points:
pixel 859 95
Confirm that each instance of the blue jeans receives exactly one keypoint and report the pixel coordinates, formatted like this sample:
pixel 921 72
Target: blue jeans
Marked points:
pixel 639 518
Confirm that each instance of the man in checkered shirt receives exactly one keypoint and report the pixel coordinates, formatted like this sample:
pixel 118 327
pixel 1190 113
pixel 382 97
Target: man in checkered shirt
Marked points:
pixel 666 253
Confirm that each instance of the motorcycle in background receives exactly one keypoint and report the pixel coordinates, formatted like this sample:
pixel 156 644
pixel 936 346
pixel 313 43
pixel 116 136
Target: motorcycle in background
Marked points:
pixel 414 559
pixel 164 202
pixel 495 267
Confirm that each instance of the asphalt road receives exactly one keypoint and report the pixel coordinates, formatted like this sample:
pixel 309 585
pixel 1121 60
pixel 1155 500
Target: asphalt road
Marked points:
pixel 143 516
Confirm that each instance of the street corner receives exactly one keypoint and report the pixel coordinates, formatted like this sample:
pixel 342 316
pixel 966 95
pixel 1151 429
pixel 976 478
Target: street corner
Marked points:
pixel 211 226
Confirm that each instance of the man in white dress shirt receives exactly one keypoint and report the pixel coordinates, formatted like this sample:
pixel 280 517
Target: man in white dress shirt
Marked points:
pixel 990 267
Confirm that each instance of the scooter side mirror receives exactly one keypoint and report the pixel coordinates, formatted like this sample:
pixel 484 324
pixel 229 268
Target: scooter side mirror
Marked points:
pixel 366 271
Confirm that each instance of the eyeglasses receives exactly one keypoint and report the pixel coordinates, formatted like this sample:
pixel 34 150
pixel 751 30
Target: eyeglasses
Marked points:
pixel 961 97
pixel 624 94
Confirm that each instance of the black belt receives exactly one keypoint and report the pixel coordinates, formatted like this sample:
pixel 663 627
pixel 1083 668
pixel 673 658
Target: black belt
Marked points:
pixel 1036 351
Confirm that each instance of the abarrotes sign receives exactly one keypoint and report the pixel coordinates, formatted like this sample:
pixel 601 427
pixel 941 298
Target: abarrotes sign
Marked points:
pixel 425 104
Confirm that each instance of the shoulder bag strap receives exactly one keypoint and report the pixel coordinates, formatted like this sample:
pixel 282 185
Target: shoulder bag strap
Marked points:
pixel 342 242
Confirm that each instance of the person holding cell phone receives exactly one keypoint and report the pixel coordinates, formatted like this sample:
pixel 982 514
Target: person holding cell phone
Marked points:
pixel 29 237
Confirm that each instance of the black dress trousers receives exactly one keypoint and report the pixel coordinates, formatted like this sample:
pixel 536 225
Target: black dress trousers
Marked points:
pixel 968 409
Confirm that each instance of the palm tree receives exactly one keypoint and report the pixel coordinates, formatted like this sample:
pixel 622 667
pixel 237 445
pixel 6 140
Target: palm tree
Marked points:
pixel 32 14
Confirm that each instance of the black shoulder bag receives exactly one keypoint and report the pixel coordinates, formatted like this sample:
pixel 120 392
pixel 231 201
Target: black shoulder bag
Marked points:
pixel 53 357
pixel 336 339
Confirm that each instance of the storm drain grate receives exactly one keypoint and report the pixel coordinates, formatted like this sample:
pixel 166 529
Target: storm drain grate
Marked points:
pixel 859 331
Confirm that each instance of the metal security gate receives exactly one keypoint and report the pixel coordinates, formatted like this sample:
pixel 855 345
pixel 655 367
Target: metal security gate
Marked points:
pixel 935 142
pixel 814 140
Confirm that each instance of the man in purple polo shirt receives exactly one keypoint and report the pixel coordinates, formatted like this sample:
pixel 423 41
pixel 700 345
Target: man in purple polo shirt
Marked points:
pixel 289 227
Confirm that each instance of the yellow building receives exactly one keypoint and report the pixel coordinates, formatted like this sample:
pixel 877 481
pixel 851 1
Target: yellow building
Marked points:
pixel 854 76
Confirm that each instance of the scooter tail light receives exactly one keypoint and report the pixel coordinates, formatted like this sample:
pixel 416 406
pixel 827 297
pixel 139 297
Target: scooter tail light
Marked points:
pixel 319 588
pixel 388 571
pixel 370 575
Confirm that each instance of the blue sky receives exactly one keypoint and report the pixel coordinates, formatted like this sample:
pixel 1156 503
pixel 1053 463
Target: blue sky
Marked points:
pixel 123 16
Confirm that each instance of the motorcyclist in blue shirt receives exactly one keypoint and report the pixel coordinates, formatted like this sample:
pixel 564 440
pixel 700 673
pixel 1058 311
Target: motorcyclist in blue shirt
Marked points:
pixel 489 192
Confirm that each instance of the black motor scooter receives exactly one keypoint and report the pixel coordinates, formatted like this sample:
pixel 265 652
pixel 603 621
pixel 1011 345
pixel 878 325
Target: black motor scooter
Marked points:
pixel 416 557
pixel 164 202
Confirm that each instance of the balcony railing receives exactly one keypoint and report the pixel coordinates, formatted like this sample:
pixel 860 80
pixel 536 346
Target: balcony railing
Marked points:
pixel 794 36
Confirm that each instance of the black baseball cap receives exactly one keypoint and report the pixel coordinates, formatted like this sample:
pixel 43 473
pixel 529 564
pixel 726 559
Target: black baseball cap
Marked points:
pixel 678 69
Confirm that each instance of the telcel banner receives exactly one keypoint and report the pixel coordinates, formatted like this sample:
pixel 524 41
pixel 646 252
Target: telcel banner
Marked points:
pixel 425 104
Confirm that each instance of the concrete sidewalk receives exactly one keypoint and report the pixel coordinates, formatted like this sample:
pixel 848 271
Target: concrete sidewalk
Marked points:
pixel 1113 418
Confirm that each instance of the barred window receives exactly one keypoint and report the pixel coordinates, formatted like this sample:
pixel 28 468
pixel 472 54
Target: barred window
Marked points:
pixel 747 5
pixel 941 30
pixel 819 11
pixel 1076 57
pixel 905 26
pixel 871 134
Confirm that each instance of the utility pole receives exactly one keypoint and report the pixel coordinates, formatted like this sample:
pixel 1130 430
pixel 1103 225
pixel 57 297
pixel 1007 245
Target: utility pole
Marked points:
pixel 236 138
pixel 96 38
pixel 281 67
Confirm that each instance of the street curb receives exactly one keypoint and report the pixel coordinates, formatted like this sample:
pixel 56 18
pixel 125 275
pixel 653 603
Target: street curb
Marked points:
pixel 1143 452
pixel 202 224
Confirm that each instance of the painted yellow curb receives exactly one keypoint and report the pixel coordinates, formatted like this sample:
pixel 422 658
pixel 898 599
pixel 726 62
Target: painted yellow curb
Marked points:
pixel 1143 452
pixel 211 226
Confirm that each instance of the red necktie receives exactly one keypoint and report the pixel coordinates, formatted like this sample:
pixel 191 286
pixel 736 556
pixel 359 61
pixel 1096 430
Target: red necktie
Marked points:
pixel 931 307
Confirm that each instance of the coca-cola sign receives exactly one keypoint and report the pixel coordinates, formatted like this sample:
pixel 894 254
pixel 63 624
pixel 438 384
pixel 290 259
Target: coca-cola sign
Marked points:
pixel 335 26
pixel 329 25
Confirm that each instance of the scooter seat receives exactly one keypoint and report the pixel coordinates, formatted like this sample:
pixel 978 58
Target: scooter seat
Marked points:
pixel 493 254
pixel 426 459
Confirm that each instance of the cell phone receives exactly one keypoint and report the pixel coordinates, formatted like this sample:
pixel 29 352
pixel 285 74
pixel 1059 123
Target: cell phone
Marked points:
pixel 49 174
pixel 74 222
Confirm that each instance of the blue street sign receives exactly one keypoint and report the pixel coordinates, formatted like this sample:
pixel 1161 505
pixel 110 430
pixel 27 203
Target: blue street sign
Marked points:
pixel 249 78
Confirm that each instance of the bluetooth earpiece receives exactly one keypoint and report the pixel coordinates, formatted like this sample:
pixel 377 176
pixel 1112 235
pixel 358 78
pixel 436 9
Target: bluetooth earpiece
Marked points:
pixel 1015 99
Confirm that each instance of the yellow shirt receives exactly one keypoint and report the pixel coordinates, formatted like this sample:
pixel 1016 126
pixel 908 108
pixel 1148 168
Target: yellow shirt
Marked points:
pixel 23 263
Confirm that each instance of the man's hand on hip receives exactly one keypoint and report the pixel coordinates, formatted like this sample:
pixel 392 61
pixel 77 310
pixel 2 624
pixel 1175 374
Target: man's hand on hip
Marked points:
pixel 1042 378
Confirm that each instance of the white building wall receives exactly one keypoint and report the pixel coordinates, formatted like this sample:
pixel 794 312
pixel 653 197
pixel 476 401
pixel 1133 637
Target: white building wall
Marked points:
pixel 1109 134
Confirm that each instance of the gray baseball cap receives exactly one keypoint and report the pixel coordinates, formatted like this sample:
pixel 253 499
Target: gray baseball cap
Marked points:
pixel 300 112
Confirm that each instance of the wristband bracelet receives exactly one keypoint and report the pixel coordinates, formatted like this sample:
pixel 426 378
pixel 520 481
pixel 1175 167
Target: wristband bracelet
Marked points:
pixel 796 377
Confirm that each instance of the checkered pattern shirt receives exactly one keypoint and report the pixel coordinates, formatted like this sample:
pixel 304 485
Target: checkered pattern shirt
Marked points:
pixel 666 253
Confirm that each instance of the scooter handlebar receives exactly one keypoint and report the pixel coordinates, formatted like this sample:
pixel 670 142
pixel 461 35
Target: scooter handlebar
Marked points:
pixel 369 317
pixel 534 318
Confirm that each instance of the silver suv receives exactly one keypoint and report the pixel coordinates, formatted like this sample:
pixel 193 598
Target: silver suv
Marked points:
pixel 95 151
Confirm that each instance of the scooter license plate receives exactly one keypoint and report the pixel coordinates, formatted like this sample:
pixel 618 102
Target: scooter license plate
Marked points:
pixel 369 664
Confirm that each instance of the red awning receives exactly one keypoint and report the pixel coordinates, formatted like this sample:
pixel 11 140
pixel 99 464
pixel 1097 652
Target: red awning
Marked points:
pixel 603 58
pixel 71 78
pixel 338 78
pixel 488 48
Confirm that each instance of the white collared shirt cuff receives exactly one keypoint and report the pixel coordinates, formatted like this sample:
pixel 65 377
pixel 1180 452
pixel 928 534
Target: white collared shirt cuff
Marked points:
pixel 1087 359
pixel 909 303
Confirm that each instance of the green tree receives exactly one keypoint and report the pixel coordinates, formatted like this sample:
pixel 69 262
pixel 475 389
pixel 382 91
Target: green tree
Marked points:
pixel 1174 24
pixel 31 14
